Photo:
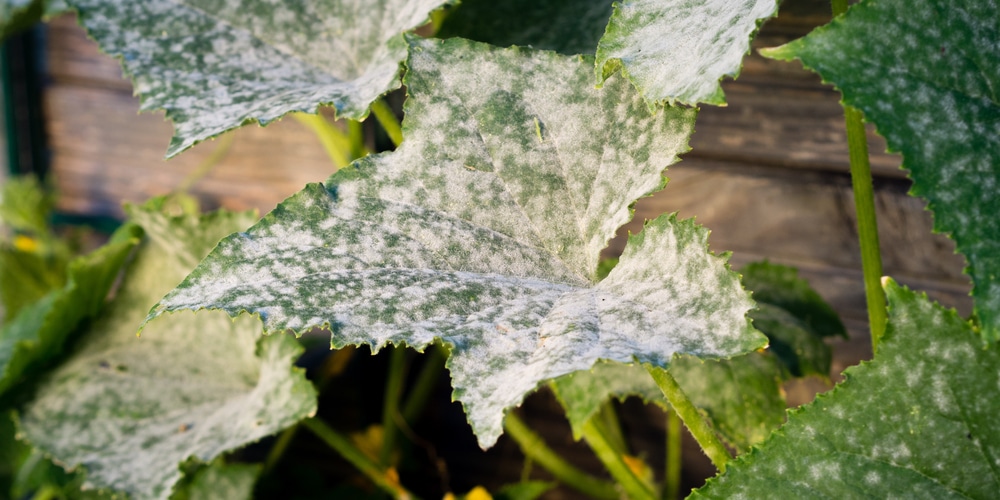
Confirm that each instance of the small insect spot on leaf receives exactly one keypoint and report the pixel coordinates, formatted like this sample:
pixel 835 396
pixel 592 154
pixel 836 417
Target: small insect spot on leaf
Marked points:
pixel 184 428
pixel 104 364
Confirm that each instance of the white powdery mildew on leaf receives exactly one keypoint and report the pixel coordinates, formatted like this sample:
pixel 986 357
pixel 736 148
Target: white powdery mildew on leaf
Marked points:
pixel 130 411
pixel 678 50
pixel 876 435
pixel 216 65
pixel 927 73
pixel 484 230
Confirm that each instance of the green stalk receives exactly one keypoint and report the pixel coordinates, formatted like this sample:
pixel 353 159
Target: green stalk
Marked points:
pixel 598 440
pixel 864 205
pixel 343 446
pixel 611 427
pixel 335 142
pixel 356 139
pixel 688 413
pixel 390 402
pixel 672 486
pixel 278 450
pixel 426 381
pixel 386 118
pixel 537 451
pixel 220 152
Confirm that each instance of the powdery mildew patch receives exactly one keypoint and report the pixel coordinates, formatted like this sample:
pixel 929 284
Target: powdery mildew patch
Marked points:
pixel 877 434
pixel 484 230
pixel 215 65
pixel 130 411
pixel 927 73
pixel 678 50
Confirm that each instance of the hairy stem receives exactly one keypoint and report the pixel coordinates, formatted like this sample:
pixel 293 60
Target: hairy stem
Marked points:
pixel 383 113
pixel 382 477
pixel 864 205
pixel 279 447
pixel 598 440
pixel 534 447
pixel 672 486
pixel 688 413
pixel 206 166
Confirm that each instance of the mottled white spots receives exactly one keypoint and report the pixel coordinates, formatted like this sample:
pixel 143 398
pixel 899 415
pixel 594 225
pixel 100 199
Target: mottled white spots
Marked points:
pixel 678 51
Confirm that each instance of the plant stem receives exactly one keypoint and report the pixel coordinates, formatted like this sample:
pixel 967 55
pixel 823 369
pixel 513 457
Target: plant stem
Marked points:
pixel 335 142
pixel 536 450
pixel 220 152
pixel 688 413
pixel 383 113
pixel 672 486
pixel 425 383
pixel 356 139
pixel 343 446
pixel 390 402
pixel 598 440
pixel 611 427
pixel 279 447
pixel 864 205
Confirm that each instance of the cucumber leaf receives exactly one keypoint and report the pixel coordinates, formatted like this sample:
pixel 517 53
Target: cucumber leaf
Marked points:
pixel 484 230
pixel 741 397
pixel 678 50
pixel 217 65
pixel 37 334
pixel 927 73
pixel 920 418
pixel 130 410
pixel 566 26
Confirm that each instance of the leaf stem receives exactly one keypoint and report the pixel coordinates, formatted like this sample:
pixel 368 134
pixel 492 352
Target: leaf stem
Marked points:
pixel 598 440
pixel 383 113
pixel 426 381
pixel 390 402
pixel 864 205
pixel 356 139
pixel 381 476
pixel 672 486
pixel 612 427
pixel 335 142
pixel 279 447
pixel 534 447
pixel 220 152
pixel 688 413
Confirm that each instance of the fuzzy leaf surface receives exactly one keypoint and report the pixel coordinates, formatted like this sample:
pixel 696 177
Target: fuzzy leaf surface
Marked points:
pixel 37 333
pixel 216 65
pixel 678 50
pixel 741 397
pixel 130 410
pixel 566 26
pixel 484 230
pixel 920 418
pixel 927 73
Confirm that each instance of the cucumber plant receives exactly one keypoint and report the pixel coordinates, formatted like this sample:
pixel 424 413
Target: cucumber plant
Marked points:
pixel 529 130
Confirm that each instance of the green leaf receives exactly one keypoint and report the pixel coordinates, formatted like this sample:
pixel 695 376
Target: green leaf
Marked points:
pixel 220 481
pixel 25 205
pixel 36 335
pixel 525 490
pixel 920 418
pixel 565 26
pixel 678 50
pixel 484 230
pixel 927 73
pixel 741 397
pixel 19 15
pixel 130 410
pixel 217 65
pixel 26 277
pixel 781 286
